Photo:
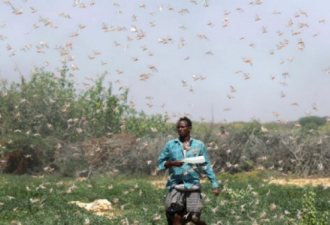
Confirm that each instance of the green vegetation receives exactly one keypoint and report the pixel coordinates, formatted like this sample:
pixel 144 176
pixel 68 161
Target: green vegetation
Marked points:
pixel 49 128
pixel 311 123
pixel 95 130
pixel 310 214
pixel 249 200
pixel 51 106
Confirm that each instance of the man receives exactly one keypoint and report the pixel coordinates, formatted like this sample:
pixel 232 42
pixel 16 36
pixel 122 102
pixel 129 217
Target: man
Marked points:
pixel 184 200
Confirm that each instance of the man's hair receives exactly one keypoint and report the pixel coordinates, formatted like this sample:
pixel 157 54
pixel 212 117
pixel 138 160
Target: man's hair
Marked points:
pixel 189 123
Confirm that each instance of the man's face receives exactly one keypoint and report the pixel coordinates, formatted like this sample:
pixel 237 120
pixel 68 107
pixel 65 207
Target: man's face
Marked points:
pixel 183 129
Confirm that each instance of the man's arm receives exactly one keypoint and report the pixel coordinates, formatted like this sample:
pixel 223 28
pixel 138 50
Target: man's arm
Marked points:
pixel 216 191
pixel 169 164
pixel 163 158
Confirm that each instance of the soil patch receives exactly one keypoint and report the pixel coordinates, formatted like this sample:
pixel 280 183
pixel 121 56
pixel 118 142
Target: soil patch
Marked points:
pixel 303 182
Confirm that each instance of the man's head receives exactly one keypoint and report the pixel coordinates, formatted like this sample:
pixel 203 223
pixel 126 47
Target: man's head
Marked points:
pixel 184 127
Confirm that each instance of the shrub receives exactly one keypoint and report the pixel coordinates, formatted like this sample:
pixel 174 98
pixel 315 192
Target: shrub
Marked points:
pixel 29 154
pixel 310 123
pixel 309 213
pixel 252 128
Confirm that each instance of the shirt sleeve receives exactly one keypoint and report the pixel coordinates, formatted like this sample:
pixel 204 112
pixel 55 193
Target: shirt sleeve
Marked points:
pixel 206 167
pixel 163 157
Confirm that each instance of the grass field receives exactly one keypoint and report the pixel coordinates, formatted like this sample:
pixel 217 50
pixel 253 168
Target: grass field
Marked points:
pixel 135 199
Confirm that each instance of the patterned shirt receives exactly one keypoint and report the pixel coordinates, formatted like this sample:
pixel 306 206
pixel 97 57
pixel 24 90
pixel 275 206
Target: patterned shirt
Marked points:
pixel 188 174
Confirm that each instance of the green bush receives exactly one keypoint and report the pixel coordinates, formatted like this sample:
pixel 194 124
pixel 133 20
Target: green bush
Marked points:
pixel 310 215
pixel 311 123
pixel 251 128
pixel 39 150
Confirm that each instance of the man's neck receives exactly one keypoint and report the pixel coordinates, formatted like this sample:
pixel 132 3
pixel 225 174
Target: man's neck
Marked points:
pixel 184 139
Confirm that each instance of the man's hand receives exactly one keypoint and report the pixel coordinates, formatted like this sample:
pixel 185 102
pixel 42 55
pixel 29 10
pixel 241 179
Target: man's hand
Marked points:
pixel 216 191
pixel 169 164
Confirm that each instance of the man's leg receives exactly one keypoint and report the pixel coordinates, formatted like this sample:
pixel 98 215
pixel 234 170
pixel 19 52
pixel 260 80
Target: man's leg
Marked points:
pixel 198 222
pixel 178 219
pixel 195 219
pixel 169 217
pixel 174 217
pixel 194 207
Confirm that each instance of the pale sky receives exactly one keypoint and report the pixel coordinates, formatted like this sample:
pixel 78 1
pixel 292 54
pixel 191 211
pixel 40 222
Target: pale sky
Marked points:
pixel 268 60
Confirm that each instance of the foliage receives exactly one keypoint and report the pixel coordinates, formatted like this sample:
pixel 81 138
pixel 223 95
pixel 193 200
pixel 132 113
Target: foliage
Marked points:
pixel 309 213
pixel 325 128
pixel 37 200
pixel 37 107
pixel 312 122
pixel 48 112
pixel 51 106
pixel 141 124
pixel 252 128
pixel 318 121
pixel 36 148
pixel 238 194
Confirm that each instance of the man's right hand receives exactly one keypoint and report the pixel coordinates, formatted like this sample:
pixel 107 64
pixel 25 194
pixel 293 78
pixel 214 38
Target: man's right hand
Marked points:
pixel 169 164
pixel 216 191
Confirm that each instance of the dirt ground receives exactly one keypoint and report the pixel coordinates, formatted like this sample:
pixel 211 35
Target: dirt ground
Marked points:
pixel 303 182
pixel 299 182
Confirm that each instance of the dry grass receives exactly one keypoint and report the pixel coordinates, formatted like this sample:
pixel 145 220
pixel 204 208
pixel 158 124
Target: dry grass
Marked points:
pixel 303 182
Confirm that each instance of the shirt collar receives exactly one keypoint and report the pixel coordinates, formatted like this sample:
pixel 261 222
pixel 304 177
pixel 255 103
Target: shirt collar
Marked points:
pixel 178 140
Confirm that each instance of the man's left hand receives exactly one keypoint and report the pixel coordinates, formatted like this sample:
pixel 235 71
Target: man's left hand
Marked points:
pixel 216 191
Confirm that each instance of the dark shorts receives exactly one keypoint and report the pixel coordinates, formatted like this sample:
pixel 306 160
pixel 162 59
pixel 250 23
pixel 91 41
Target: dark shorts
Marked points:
pixel 184 201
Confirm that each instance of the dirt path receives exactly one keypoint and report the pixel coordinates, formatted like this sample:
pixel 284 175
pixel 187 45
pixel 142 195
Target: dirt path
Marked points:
pixel 299 182
pixel 303 182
